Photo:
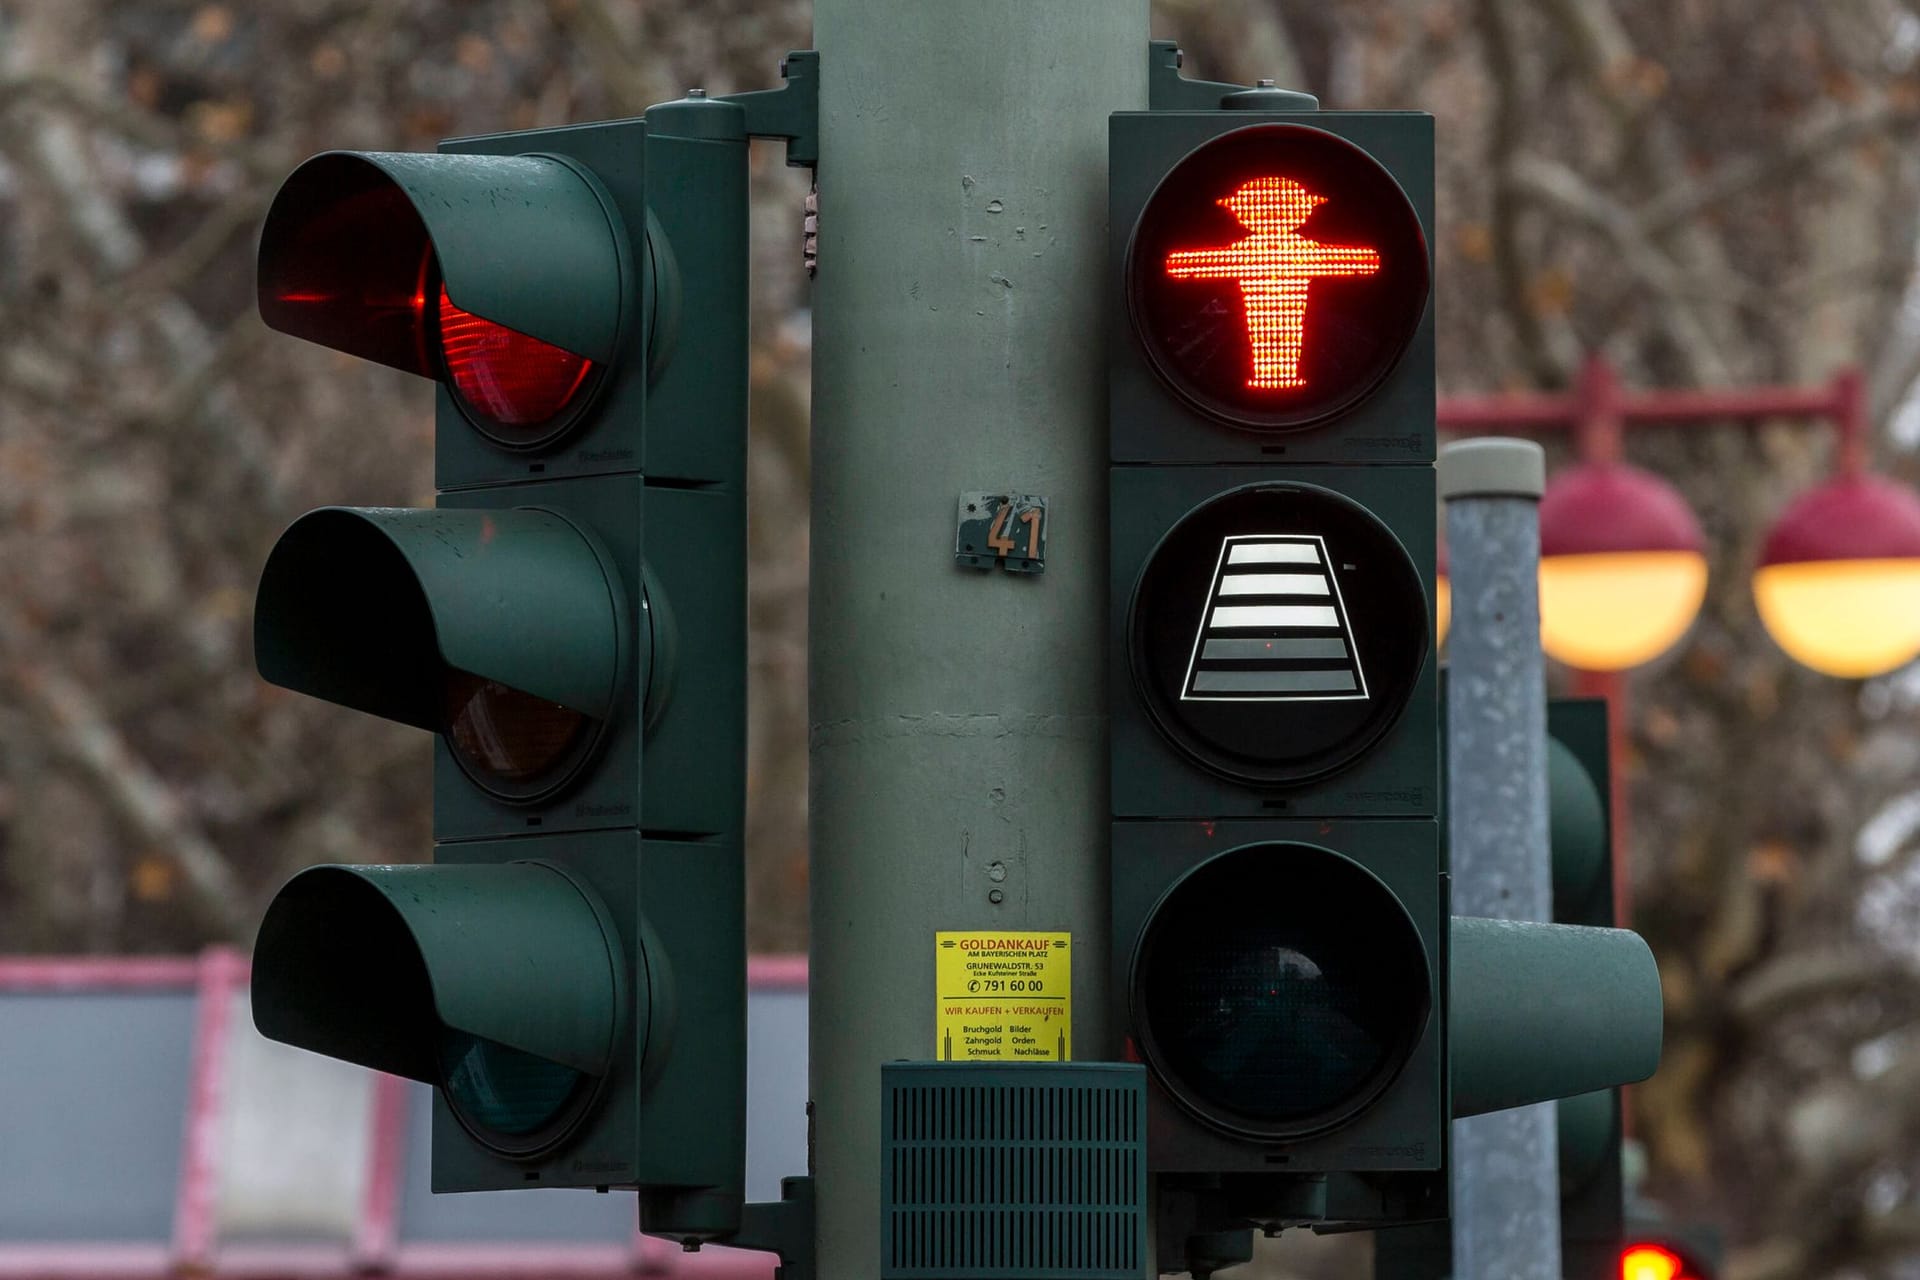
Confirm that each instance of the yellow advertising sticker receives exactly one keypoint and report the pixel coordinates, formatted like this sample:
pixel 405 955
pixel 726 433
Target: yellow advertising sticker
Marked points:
pixel 1004 995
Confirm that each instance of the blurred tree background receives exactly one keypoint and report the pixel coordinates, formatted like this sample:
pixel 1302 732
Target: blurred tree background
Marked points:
pixel 1708 191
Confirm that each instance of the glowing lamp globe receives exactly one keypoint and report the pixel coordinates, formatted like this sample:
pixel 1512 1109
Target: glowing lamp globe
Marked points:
pixel 1838 585
pixel 1622 567
pixel 1442 599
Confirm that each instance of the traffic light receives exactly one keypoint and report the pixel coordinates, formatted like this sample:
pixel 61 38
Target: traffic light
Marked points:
pixel 1656 1250
pixel 569 619
pixel 1280 921
pixel 1283 957
pixel 1589 1129
pixel 1579 783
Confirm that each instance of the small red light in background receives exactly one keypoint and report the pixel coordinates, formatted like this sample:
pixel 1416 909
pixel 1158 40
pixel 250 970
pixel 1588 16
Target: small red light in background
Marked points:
pixel 1651 1262
pixel 511 379
pixel 1273 265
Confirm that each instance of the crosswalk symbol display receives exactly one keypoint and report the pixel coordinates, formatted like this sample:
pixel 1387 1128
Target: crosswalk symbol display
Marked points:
pixel 1274 628
pixel 1278 631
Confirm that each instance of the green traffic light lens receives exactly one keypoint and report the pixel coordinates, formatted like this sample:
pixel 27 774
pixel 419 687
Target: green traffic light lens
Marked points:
pixel 515 745
pixel 514 1102
pixel 1278 989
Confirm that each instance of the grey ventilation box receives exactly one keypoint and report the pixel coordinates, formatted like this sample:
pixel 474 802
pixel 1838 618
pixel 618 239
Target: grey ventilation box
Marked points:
pixel 1019 1171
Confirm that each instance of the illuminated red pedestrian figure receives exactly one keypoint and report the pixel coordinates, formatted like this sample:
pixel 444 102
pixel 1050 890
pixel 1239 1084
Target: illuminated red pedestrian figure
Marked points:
pixel 1273 266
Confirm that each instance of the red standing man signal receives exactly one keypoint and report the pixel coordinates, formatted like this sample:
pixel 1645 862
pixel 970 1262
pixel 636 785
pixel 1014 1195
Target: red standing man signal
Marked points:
pixel 1273 266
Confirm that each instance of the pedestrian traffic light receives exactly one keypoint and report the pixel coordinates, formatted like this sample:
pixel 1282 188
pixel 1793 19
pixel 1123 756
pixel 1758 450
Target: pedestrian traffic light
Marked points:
pixel 1280 922
pixel 1283 959
pixel 569 619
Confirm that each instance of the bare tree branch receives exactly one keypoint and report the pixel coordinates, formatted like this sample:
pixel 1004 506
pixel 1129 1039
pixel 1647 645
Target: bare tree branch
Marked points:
pixel 633 80
pixel 141 799
pixel 1550 351
pixel 1622 82
pixel 1795 154
pixel 1796 980
pixel 1560 188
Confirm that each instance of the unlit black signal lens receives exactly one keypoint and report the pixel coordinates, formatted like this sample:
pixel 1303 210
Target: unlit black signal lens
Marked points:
pixel 510 1100
pixel 514 744
pixel 1278 989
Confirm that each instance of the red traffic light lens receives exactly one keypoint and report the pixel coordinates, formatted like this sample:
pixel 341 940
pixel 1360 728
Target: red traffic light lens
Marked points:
pixel 1276 276
pixel 514 387
pixel 515 745
pixel 1651 1262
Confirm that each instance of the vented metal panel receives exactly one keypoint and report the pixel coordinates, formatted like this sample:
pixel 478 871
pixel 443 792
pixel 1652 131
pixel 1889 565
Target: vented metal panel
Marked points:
pixel 1030 1171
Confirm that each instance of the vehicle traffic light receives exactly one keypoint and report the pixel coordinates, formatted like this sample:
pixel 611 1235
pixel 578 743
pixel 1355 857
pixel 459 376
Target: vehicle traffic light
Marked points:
pixel 1656 1250
pixel 1589 1129
pixel 569 619
pixel 1283 957
pixel 1280 922
pixel 1579 782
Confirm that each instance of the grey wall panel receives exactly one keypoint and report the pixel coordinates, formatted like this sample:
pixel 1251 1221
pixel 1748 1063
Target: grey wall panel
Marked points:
pixel 93 1095
pixel 93 1092
pixel 294 1140
pixel 776 1090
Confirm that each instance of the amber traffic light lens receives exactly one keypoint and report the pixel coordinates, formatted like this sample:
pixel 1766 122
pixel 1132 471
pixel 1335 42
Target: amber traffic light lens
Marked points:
pixel 1264 1012
pixel 1276 276
pixel 515 745
pixel 515 388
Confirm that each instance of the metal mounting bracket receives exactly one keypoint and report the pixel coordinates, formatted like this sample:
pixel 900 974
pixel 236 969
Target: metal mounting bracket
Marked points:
pixel 792 111
pixel 782 1227
pixel 1168 90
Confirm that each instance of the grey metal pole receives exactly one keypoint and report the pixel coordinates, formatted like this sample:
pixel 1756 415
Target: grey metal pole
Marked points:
pixel 1506 1184
pixel 958 748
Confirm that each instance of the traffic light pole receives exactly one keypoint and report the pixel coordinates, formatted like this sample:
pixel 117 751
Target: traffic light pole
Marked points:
pixel 958 749
pixel 1506 1210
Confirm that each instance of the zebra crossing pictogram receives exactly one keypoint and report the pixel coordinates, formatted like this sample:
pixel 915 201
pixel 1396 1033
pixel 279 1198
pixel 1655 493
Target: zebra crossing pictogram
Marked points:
pixel 1273 627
